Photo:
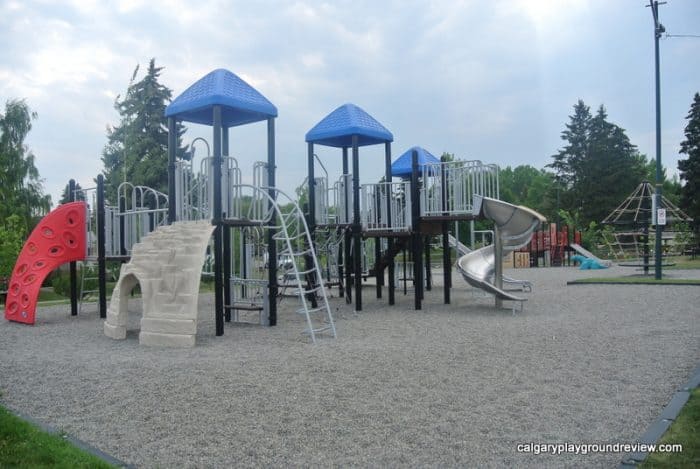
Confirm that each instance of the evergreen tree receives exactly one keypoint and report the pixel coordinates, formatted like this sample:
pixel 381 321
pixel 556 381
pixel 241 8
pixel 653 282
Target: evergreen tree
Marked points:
pixel 21 190
pixel 598 167
pixel 137 149
pixel 65 197
pixel 690 167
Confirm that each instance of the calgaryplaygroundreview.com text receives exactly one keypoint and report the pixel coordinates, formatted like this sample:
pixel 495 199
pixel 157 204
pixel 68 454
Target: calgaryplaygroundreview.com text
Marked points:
pixel 589 448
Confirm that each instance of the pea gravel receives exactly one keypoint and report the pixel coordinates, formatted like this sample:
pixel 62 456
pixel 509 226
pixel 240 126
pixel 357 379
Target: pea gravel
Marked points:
pixel 450 386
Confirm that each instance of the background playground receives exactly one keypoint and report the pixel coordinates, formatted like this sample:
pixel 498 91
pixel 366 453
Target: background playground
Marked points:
pixel 358 229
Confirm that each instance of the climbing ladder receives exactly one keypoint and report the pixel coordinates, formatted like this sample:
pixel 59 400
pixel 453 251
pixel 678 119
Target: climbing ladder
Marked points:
pixel 293 233
pixel 88 273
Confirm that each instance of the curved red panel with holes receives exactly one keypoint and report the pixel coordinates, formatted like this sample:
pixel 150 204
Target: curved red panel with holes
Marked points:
pixel 59 237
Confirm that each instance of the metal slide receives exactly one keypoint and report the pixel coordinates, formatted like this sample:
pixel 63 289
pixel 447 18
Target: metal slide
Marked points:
pixel 586 253
pixel 515 225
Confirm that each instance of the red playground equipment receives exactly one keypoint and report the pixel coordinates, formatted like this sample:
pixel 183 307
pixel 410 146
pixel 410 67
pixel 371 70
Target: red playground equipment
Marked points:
pixel 60 237
pixel 552 246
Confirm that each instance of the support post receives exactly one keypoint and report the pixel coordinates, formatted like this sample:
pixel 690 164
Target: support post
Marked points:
pixel 416 238
pixel 498 262
pixel 658 30
pixel 311 280
pixel 356 227
pixel 312 188
pixel 347 235
pixel 218 226
pixel 73 264
pixel 226 232
pixel 271 243
pixel 101 257
pixel 428 273
pixel 390 240
pixel 446 264
pixel 379 270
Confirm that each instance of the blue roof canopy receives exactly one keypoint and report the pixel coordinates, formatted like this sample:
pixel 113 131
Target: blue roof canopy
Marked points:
pixel 338 127
pixel 241 103
pixel 403 166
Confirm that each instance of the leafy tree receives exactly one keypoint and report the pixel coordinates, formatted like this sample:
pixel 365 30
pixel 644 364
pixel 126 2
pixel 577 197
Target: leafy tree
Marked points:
pixel 12 233
pixel 529 186
pixel 690 167
pixel 598 167
pixel 137 148
pixel 671 187
pixel 21 190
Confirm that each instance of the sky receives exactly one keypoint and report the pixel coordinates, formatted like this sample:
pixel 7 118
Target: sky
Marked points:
pixel 494 81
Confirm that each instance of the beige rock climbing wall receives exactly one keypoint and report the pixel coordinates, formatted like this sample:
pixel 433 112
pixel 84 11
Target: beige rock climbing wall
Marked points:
pixel 167 264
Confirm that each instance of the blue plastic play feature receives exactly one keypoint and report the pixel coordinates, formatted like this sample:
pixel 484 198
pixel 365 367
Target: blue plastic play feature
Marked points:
pixel 587 263
pixel 403 166
pixel 241 103
pixel 338 127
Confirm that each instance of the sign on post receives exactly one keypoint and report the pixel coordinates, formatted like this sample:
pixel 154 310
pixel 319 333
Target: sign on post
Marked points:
pixel 661 216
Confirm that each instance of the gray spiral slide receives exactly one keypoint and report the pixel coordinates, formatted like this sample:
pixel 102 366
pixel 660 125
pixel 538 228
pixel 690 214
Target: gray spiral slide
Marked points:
pixel 514 226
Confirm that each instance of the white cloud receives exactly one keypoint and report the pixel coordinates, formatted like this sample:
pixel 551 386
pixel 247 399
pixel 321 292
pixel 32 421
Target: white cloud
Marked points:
pixel 495 80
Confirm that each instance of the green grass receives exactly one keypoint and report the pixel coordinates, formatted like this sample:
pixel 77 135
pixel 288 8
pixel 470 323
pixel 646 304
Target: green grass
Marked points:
pixel 24 445
pixel 684 263
pixel 685 430
pixel 649 280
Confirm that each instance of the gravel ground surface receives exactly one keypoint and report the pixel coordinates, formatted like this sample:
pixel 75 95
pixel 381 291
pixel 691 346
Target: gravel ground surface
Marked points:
pixel 451 385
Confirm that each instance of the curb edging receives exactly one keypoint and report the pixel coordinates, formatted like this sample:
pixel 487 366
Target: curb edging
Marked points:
pixel 73 440
pixel 662 423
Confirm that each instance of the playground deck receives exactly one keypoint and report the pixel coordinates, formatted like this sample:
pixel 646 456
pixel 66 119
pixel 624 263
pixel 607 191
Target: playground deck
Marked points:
pixel 450 385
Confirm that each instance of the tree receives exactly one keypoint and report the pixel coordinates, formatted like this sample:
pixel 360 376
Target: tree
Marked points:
pixel 21 190
pixel 137 149
pixel 12 233
pixel 65 197
pixel 598 167
pixel 529 186
pixel 689 168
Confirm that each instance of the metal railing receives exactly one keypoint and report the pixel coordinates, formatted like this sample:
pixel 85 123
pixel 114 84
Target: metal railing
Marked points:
pixel 376 200
pixel 448 188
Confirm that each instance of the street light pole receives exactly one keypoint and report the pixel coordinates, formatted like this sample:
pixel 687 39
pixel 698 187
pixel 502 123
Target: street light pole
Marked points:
pixel 658 30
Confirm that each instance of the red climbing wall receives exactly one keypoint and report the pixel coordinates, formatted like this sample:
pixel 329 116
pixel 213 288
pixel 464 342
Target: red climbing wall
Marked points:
pixel 58 238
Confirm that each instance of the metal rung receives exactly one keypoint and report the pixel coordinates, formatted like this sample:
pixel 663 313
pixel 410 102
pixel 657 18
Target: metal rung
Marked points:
pixel 317 330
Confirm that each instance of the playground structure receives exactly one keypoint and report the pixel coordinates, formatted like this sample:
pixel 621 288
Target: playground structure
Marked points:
pixel 262 240
pixel 552 245
pixel 632 220
pixel 513 228
pixel 373 222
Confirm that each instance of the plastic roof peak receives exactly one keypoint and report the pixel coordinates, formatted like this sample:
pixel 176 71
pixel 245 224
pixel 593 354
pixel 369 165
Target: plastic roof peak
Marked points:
pixel 241 103
pixel 403 165
pixel 338 128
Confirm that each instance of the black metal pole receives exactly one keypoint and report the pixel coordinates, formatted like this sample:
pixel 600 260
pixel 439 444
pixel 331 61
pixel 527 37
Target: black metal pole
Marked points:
pixel 226 233
pixel 122 225
pixel 658 29
pixel 446 264
pixel 390 240
pixel 379 269
pixel 73 265
pixel 416 235
pixel 101 260
pixel 312 188
pixel 347 235
pixel 428 273
pixel 271 243
pixel 172 150
pixel 356 227
pixel 311 280
pixel 218 228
